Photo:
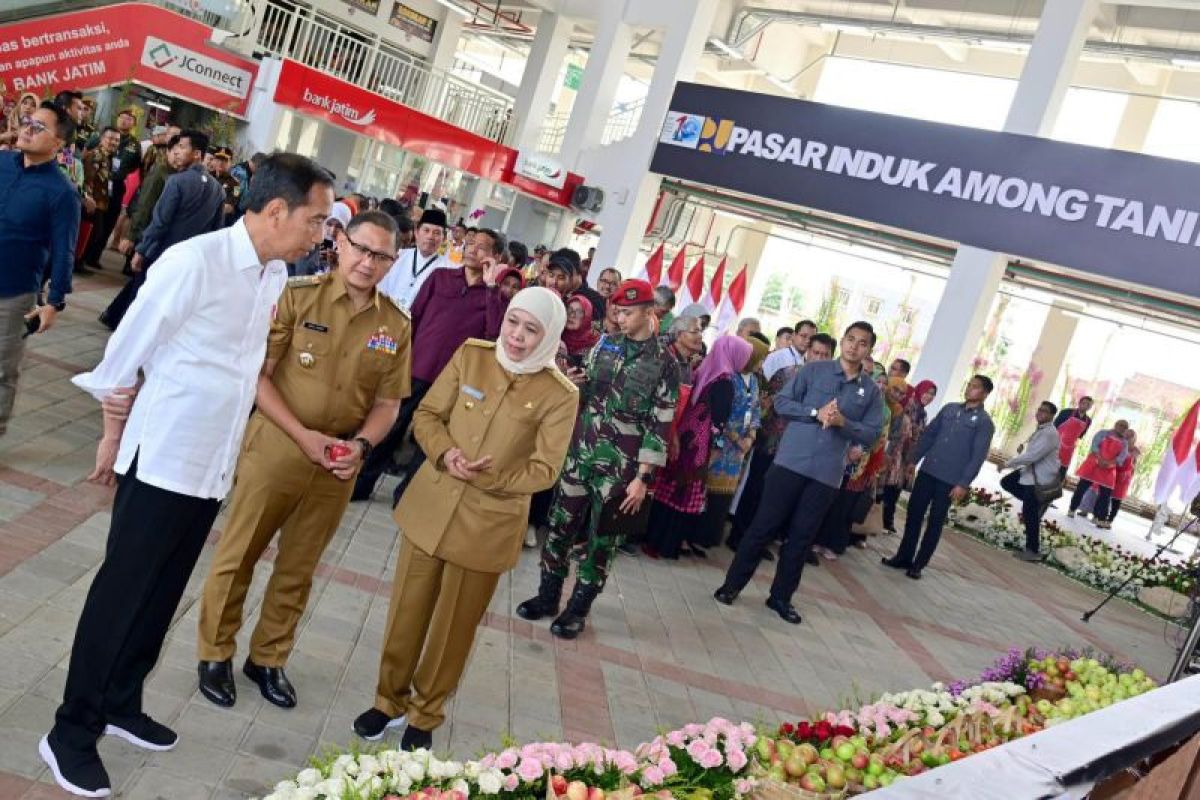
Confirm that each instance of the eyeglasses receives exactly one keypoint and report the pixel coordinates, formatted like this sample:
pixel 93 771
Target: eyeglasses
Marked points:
pixel 377 258
pixel 35 126
pixel 575 311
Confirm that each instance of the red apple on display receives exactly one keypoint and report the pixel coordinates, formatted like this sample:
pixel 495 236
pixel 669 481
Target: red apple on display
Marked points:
pixel 558 784
pixel 812 783
pixel 835 776
pixel 807 752
pixel 860 759
pixel 595 793
pixel 795 766
pixel 577 790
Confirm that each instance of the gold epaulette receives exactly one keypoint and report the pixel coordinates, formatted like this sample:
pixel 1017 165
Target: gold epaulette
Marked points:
pixel 304 280
pixel 395 305
pixel 484 343
pixel 563 379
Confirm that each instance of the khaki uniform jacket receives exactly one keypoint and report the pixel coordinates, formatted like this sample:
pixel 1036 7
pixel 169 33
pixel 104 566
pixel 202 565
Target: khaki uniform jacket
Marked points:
pixel 523 422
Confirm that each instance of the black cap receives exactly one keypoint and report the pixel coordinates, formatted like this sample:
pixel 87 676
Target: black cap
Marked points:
pixel 433 216
pixel 565 259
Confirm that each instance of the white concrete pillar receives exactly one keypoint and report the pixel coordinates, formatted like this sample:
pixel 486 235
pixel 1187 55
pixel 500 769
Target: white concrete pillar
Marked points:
pixel 262 112
pixel 335 147
pixel 1135 123
pixel 975 274
pixel 623 168
pixel 1048 359
pixel 605 66
pixel 445 44
pixel 538 82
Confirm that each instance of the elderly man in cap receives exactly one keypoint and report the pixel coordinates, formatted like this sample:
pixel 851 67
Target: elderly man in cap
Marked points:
pixel 628 392
pixel 414 265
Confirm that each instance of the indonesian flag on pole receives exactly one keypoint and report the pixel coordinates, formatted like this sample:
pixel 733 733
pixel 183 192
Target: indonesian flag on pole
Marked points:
pixel 716 287
pixel 1181 463
pixel 674 275
pixel 731 306
pixel 652 269
pixel 693 288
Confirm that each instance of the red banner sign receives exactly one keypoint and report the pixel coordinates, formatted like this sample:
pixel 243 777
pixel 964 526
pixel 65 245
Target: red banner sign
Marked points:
pixel 348 106
pixel 123 42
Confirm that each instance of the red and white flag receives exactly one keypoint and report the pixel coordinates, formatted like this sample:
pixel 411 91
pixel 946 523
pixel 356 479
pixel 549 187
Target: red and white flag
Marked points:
pixel 652 269
pixel 1181 462
pixel 731 306
pixel 716 287
pixel 692 290
pixel 674 275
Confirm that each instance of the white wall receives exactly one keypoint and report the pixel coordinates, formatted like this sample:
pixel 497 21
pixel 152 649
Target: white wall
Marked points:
pixel 378 24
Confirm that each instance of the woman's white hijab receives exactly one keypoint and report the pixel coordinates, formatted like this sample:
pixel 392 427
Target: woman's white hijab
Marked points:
pixel 547 308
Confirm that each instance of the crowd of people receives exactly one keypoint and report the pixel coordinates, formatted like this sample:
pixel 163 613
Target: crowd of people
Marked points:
pixel 308 345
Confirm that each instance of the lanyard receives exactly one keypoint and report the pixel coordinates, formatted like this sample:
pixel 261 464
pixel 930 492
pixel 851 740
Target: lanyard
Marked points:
pixel 419 272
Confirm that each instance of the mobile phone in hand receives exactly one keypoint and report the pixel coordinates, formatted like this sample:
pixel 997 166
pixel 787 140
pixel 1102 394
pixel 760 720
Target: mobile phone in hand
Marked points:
pixel 31 326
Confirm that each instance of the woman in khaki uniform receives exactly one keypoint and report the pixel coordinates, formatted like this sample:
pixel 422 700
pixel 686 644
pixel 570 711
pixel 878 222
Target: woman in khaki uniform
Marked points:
pixel 495 428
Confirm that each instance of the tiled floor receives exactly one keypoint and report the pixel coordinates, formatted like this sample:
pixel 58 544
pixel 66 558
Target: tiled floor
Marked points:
pixel 658 651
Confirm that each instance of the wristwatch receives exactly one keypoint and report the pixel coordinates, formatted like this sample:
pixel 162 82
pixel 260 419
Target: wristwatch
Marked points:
pixel 59 306
pixel 645 477
pixel 366 446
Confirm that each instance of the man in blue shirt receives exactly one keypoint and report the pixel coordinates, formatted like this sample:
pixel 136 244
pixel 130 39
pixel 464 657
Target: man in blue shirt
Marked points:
pixel 950 453
pixel 830 405
pixel 39 222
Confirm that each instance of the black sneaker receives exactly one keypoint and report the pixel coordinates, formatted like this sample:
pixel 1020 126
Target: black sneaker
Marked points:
pixel 143 732
pixel 373 723
pixel 416 739
pixel 81 775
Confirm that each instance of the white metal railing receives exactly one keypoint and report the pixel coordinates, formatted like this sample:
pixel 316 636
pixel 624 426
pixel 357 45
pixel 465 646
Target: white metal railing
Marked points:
pixel 365 61
pixel 620 125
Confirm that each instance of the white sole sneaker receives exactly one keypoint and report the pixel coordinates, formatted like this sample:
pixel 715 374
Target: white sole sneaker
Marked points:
pixel 48 756
pixel 121 733
pixel 398 722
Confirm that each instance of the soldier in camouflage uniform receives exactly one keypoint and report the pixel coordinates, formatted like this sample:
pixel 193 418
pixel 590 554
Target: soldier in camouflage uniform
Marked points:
pixel 221 156
pixel 628 401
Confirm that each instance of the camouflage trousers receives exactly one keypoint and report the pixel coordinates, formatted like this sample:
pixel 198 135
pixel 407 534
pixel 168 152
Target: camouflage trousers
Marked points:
pixel 575 533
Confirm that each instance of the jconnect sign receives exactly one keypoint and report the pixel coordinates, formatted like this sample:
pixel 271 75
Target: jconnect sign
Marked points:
pixel 189 65
pixel 1120 215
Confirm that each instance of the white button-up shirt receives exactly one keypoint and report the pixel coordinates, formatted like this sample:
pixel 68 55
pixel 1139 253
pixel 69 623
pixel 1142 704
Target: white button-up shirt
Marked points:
pixel 781 359
pixel 198 331
pixel 409 273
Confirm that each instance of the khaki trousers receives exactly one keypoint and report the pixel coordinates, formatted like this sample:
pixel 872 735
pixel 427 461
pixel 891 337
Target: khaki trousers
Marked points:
pixel 435 609
pixel 277 489
pixel 12 347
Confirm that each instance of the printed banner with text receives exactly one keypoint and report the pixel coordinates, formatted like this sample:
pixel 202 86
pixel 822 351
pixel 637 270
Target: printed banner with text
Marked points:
pixel 1115 214
pixel 108 46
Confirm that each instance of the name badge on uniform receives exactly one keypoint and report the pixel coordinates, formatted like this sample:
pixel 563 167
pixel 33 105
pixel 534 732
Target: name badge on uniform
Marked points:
pixel 316 326
pixel 471 391
pixel 382 342
pixel 861 391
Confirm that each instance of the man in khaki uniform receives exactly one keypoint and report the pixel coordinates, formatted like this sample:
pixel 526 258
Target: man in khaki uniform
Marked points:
pixel 337 367
pixel 493 438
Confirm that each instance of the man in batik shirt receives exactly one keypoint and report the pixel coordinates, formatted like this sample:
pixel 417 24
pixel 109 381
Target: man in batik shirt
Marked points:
pixel 630 387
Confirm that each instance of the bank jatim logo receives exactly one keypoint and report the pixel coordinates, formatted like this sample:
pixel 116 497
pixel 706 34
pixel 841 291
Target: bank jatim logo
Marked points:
pixel 697 132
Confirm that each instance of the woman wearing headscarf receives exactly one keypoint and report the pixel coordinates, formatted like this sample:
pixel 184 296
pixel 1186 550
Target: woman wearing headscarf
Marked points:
pixel 580 335
pixel 26 104
pixel 730 449
pixel 901 444
pixel 679 486
pixel 495 427
pixel 323 257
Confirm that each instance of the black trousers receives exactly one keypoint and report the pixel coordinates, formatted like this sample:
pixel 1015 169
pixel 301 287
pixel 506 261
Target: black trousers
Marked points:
pixel 929 496
pixel 834 532
pixel 381 454
pixel 891 497
pixel 792 501
pixel 756 472
pixel 154 540
pixel 1103 498
pixel 124 299
pixel 1113 509
pixel 1031 509
pixel 104 222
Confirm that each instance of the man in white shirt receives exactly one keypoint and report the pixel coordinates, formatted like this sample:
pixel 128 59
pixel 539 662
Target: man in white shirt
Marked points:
pixel 197 334
pixel 791 356
pixel 414 266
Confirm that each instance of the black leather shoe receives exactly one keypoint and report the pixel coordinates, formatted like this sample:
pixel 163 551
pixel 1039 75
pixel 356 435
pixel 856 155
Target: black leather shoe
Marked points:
pixel 768 555
pixel 216 682
pixel 416 739
pixel 914 573
pixel 725 596
pixel 785 611
pixel 273 684
pixel 811 559
pixel 546 602
pixel 895 563
pixel 571 622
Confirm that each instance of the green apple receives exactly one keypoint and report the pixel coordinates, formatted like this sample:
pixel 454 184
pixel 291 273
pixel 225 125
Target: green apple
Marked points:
pixel 845 751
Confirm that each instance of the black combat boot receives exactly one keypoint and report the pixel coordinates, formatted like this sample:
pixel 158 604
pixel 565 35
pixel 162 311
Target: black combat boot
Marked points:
pixel 570 623
pixel 545 604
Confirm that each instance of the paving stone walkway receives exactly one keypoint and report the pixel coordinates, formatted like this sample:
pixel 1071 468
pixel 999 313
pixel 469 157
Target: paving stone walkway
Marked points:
pixel 658 650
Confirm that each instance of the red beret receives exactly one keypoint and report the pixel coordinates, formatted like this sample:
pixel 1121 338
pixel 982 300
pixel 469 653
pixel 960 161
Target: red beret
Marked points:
pixel 633 292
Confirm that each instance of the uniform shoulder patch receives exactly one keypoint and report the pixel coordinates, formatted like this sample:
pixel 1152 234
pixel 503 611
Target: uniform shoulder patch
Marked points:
pixel 563 379
pixel 304 280
pixel 388 299
pixel 484 343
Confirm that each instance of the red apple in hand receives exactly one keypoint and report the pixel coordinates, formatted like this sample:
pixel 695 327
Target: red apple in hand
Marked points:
pixel 339 451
